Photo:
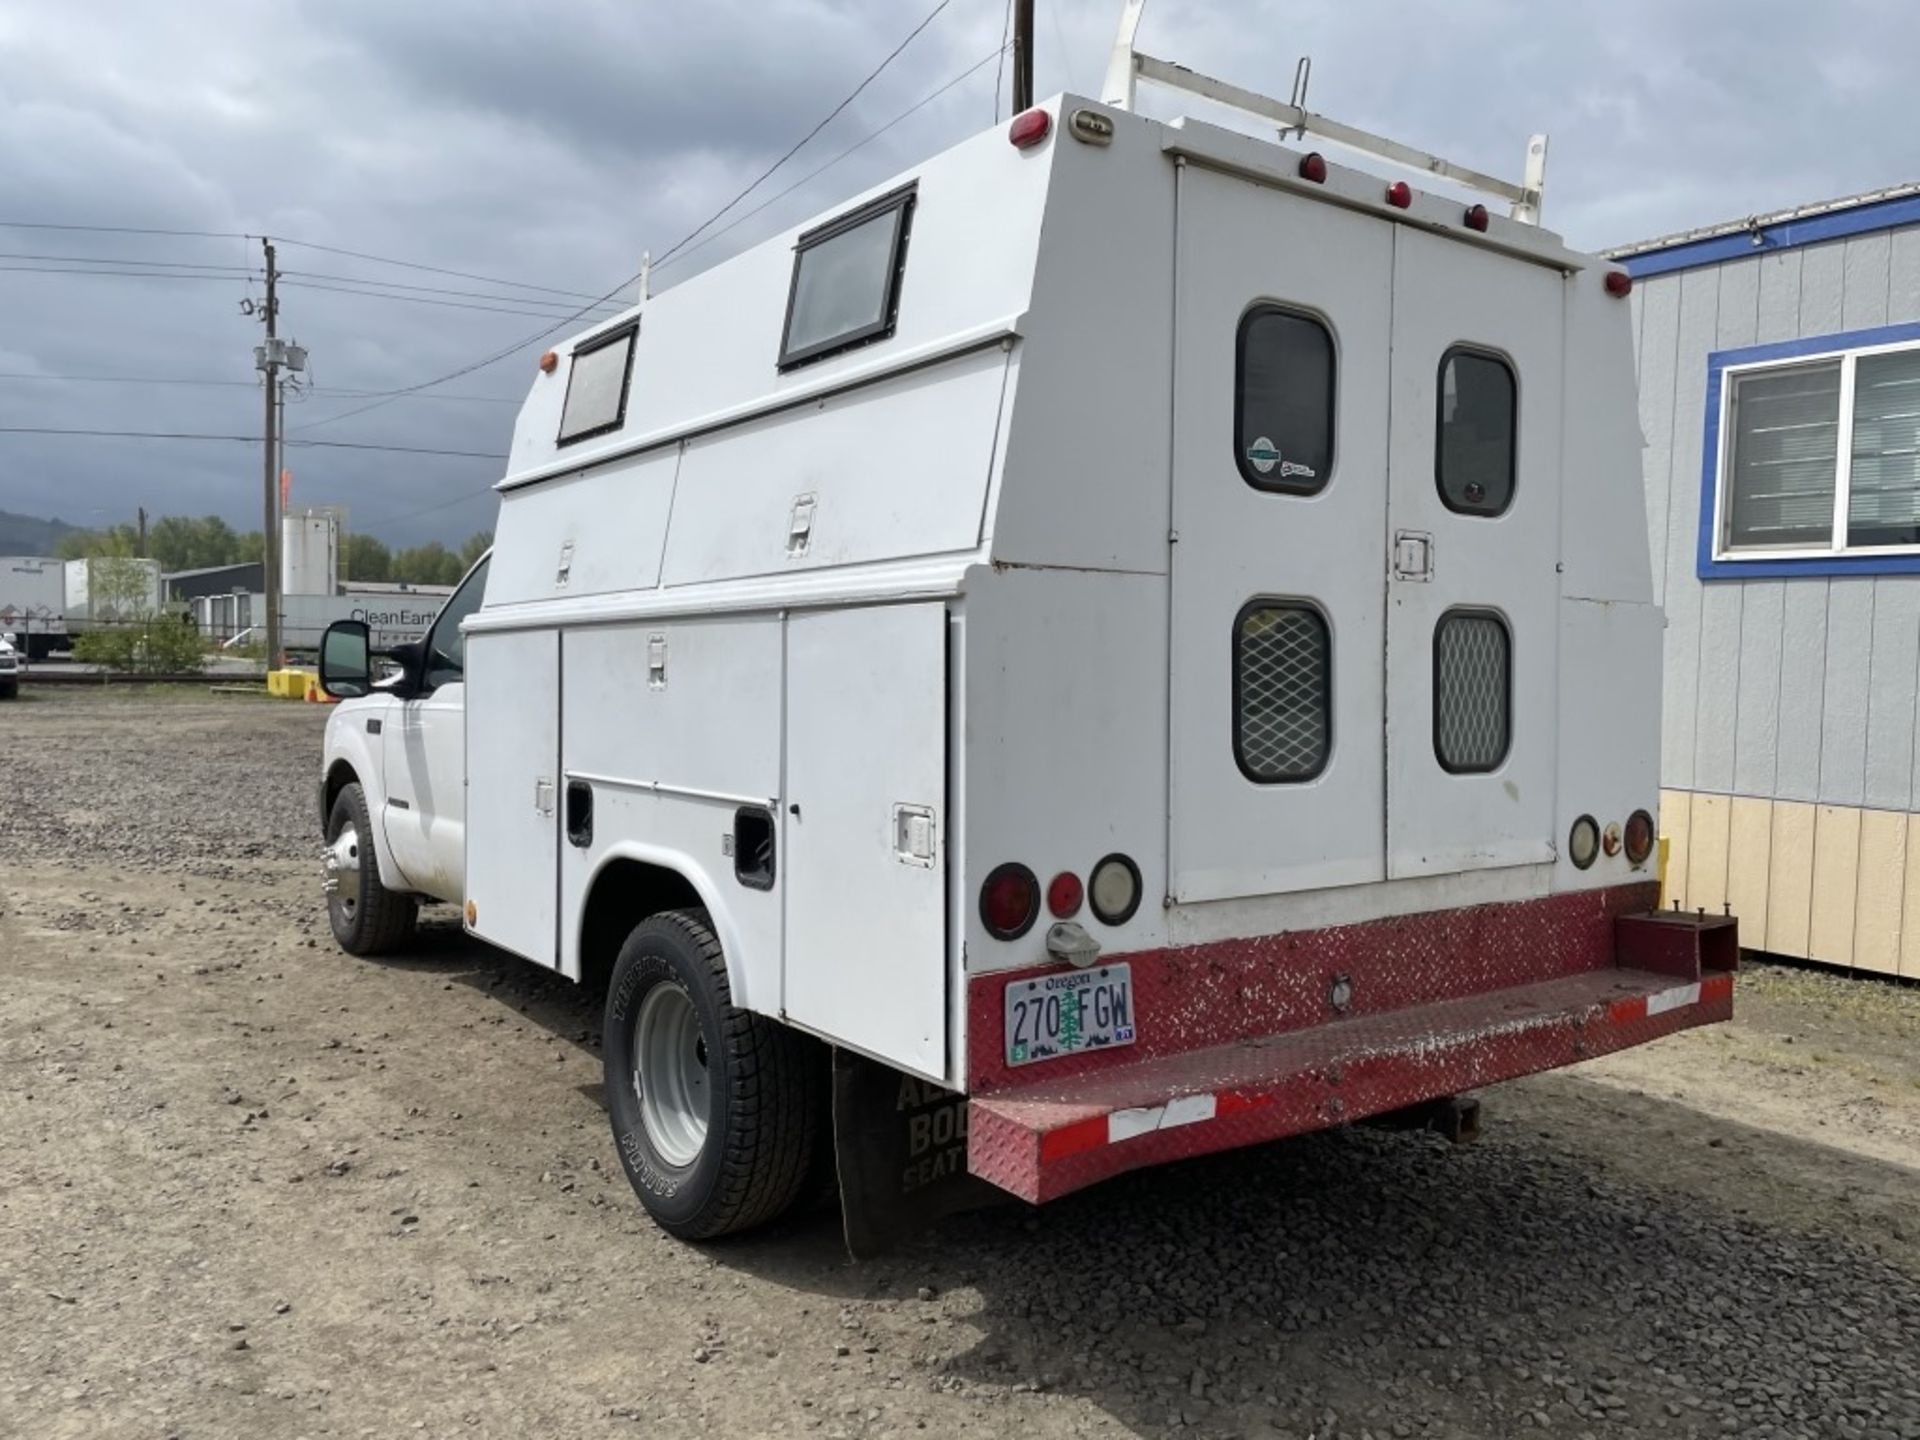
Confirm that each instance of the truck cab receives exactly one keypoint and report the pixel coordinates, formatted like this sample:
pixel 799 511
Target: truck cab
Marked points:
pixel 1169 668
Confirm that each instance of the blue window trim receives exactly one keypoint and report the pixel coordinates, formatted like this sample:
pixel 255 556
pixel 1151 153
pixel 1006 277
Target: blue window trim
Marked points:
pixel 1786 235
pixel 1758 568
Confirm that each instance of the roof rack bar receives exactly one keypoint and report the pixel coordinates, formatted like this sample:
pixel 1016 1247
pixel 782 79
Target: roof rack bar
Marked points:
pixel 1128 66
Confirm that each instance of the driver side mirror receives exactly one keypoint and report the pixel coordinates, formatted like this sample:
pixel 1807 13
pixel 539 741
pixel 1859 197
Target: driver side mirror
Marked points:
pixel 346 660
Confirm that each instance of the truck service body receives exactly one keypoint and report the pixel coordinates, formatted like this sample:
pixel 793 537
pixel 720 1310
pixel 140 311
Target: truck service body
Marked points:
pixel 1124 643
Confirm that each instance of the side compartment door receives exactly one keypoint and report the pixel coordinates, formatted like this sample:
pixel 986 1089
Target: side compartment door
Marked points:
pixel 1279 500
pixel 1474 546
pixel 866 825
pixel 513 757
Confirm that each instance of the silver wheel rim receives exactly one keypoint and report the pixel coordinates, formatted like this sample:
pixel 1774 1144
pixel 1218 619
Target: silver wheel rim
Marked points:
pixel 343 869
pixel 670 1074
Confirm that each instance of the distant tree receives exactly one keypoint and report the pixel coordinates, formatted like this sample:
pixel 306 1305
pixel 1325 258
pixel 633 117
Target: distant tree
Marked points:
pixel 179 543
pixel 428 564
pixel 119 541
pixel 365 558
pixel 477 545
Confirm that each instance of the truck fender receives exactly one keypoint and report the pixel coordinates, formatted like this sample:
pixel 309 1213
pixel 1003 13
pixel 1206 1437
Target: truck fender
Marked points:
pixel 708 892
pixel 353 756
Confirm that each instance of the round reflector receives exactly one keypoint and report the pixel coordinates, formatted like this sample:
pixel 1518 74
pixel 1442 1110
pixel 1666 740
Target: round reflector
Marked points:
pixel 1029 128
pixel 1399 195
pixel 1064 895
pixel 1619 284
pixel 1314 167
pixel 1114 890
pixel 1639 837
pixel 1009 901
pixel 1583 842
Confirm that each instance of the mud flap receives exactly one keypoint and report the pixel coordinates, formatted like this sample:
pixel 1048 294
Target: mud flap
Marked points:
pixel 900 1147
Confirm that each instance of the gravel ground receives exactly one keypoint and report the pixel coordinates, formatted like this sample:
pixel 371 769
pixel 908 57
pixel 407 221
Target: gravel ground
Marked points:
pixel 251 1187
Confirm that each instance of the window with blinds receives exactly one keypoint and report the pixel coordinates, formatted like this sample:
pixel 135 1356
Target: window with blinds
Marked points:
pixel 1823 455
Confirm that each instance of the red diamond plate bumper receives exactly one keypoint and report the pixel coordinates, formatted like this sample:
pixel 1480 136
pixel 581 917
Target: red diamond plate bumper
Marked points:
pixel 1049 1130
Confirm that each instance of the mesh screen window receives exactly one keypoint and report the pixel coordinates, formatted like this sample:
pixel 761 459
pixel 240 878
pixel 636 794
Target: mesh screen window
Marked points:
pixel 846 281
pixel 1282 692
pixel 1472 692
pixel 597 383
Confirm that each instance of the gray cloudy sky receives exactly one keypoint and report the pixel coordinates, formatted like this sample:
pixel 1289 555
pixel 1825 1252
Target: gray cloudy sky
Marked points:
pixel 552 142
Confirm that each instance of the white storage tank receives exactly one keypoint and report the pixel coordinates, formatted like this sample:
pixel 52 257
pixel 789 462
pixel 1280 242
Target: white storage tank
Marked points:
pixel 310 553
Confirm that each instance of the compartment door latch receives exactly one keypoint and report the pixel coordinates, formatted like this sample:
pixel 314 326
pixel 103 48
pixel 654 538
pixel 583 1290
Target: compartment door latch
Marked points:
pixel 913 835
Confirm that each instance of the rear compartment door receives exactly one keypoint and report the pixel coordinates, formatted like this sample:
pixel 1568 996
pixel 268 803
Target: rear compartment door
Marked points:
pixel 1473 558
pixel 866 831
pixel 1279 501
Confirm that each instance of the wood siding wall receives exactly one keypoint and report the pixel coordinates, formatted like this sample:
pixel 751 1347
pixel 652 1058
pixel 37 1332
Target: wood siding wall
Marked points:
pixel 1789 708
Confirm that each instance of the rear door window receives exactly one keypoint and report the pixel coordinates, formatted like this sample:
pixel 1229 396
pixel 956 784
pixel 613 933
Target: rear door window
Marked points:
pixel 1474 449
pixel 1283 401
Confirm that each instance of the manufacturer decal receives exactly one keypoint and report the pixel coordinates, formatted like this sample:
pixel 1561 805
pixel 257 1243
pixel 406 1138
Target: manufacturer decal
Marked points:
pixel 1265 457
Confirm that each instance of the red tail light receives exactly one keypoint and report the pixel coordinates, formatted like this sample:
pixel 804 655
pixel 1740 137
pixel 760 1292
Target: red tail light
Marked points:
pixel 1399 195
pixel 1619 284
pixel 1639 837
pixel 1477 218
pixel 1029 128
pixel 1313 167
pixel 1064 895
pixel 1009 901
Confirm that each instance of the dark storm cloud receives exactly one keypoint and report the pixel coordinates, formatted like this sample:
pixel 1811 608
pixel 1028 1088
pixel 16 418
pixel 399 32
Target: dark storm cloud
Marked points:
pixel 554 142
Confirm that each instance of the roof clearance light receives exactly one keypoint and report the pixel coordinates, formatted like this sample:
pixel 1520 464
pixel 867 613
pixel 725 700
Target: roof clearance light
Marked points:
pixel 1029 129
pixel 1399 195
pixel 1477 218
pixel 1009 901
pixel 548 362
pixel 1619 284
pixel 1314 167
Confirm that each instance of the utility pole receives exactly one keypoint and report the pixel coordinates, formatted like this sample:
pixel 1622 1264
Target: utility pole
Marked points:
pixel 267 359
pixel 1022 55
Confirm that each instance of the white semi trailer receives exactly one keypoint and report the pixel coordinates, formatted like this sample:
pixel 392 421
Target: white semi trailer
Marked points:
pixel 1124 641
pixel 33 604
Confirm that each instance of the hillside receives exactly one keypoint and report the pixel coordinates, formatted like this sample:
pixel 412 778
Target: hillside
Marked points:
pixel 28 535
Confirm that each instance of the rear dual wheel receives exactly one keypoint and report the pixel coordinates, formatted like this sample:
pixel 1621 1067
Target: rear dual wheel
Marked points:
pixel 717 1112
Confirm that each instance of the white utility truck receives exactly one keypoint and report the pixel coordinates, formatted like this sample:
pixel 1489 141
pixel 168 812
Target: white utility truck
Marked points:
pixel 1124 641
pixel 9 668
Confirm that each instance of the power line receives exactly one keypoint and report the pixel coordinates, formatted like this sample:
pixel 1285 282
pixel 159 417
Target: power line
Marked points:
pixel 122 260
pixel 420 299
pixel 123 230
pixel 225 279
pixel 434 269
pixel 812 175
pixel 330 390
pixel 243 440
pixel 426 289
pixel 679 245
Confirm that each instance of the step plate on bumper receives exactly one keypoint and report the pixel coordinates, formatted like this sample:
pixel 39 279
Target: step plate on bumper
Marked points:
pixel 1045 1140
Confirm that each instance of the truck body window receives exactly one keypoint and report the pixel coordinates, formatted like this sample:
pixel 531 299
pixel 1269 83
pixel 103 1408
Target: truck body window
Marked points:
pixel 1474 439
pixel 846 281
pixel 1283 401
pixel 597 383
pixel 446 646
pixel 1472 692
pixel 1282 692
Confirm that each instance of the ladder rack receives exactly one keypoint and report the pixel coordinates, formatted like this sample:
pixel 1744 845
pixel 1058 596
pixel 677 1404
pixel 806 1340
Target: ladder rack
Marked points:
pixel 1128 66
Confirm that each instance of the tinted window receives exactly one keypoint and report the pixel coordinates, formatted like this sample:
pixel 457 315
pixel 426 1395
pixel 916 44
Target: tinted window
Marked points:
pixel 1474 454
pixel 1283 401
pixel 1282 691
pixel 446 646
pixel 846 281
pixel 597 386
pixel 1883 493
pixel 1472 691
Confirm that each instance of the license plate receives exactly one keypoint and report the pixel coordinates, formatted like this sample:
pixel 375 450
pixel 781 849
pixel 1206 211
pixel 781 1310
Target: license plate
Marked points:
pixel 1055 1015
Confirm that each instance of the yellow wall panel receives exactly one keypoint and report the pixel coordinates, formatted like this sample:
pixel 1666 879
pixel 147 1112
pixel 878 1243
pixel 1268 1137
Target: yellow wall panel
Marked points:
pixel 1749 847
pixel 1910 905
pixel 1790 879
pixel 1883 882
pixel 1675 812
pixel 1707 853
pixel 1836 873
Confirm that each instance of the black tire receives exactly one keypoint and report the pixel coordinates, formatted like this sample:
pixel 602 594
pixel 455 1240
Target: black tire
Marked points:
pixel 9 689
pixel 763 1089
pixel 367 918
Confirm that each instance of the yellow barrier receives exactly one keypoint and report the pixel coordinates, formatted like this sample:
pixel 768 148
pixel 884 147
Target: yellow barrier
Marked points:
pixel 1663 872
pixel 288 684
